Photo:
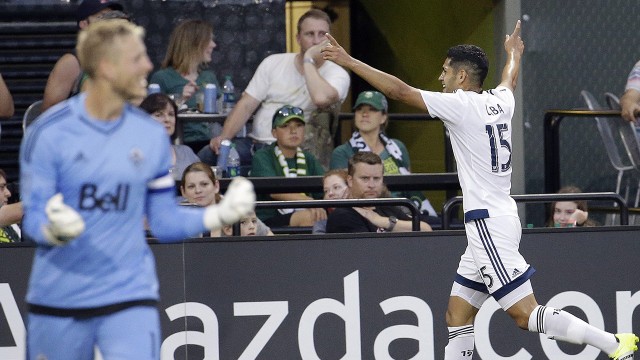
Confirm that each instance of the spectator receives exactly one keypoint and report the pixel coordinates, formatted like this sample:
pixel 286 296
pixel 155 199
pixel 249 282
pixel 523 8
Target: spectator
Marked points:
pixel 250 225
pixel 200 187
pixel 370 121
pixel 6 100
pixel 303 80
pixel 183 72
pixel 10 214
pixel 366 181
pixel 164 110
pixel 286 158
pixel 66 78
pixel 569 213
pixel 630 101
pixel 334 186
pixel 91 173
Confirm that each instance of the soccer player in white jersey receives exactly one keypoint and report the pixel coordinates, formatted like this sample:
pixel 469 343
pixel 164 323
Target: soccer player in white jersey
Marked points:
pixel 92 169
pixel 480 126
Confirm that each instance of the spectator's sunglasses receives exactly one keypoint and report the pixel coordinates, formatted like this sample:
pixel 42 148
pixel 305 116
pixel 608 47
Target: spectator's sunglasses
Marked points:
pixel 289 110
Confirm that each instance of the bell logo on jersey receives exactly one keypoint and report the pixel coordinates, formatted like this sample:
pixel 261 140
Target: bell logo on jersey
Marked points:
pixel 107 201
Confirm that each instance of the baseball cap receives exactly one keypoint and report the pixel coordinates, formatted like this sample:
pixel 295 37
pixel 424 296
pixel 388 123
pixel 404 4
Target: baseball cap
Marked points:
pixel 286 114
pixel 90 7
pixel 373 98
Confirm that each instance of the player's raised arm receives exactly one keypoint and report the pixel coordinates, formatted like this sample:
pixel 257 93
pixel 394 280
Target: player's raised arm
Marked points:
pixel 388 84
pixel 514 46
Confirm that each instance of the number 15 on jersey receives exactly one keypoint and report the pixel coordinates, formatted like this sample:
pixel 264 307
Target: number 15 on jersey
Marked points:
pixel 498 164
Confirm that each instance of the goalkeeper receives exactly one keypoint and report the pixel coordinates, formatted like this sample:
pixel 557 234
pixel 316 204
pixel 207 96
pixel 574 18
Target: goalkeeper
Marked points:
pixel 92 168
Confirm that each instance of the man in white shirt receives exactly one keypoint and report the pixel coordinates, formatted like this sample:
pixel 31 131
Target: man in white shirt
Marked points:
pixel 302 80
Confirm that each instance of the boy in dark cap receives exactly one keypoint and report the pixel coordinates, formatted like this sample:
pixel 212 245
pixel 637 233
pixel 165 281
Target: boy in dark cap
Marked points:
pixel 286 158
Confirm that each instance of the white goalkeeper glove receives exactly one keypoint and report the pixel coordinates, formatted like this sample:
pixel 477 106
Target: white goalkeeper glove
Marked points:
pixel 238 201
pixel 65 224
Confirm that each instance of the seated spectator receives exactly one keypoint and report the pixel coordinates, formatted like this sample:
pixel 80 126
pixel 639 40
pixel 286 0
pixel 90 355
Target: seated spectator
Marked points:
pixel 334 186
pixel 183 73
pixel 630 100
pixel 10 214
pixel 200 187
pixel 370 121
pixel 249 226
pixel 570 213
pixel 365 180
pixel 66 77
pixel 285 158
pixel 163 109
pixel 6 100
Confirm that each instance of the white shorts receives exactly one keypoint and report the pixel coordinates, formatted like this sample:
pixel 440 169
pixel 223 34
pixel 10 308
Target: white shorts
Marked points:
pixel 492 262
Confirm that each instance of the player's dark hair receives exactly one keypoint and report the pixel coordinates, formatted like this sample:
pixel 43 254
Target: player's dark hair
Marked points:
pixel 366 157
pixel 473 58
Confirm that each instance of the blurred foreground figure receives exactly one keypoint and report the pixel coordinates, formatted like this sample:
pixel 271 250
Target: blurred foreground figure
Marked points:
pixel 91 172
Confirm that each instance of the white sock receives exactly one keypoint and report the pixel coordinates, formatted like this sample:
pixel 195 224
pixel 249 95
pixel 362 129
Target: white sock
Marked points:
pixel 460 346
pixel 560 325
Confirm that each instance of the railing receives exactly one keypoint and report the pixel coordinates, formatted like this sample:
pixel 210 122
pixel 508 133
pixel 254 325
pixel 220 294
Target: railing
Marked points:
pixel 313 184
pixel 552 120
pixel 623 208
pixel 325 204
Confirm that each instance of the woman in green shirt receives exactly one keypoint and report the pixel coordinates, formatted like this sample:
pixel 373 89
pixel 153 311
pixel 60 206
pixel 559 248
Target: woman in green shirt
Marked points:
pixel 183 72
pixel 370 121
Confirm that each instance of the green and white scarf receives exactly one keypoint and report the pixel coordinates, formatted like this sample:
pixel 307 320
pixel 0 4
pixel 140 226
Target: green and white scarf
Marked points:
pixel 300 170
pixel 301 162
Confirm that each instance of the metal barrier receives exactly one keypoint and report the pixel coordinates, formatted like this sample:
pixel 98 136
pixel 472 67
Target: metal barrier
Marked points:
pixel 313 184
pixel 415 212
pixel 624 209
pixel 552 120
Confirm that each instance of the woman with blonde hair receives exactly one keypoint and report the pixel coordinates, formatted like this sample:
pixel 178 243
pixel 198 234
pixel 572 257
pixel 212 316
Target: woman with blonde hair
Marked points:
pixel 184 72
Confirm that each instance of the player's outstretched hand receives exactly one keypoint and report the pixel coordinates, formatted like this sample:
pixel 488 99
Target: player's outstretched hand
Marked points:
pixel 513 42
pixel 238 201
pixel 65 224
pixel 334 52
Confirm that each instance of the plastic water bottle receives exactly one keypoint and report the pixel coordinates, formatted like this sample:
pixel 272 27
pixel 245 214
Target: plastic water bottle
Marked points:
pixel 210 97
pixel 153 89
pixel 233 162
pixel 228 95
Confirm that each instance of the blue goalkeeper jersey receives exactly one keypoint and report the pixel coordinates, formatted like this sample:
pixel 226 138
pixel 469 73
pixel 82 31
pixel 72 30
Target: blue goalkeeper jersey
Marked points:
pixel 114 173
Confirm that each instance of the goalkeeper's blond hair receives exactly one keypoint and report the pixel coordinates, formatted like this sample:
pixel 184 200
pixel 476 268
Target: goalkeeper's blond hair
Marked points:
pixel 96 42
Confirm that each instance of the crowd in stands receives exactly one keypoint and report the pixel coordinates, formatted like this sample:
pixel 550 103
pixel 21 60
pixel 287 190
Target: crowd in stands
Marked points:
pixel 291 98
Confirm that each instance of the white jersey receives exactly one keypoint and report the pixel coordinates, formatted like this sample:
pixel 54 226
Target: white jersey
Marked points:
pixel 480 130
